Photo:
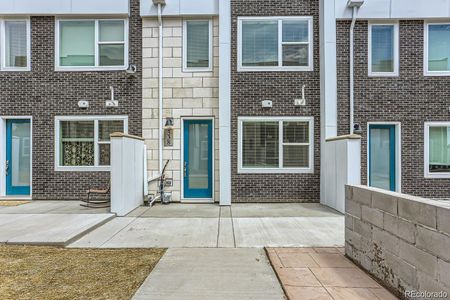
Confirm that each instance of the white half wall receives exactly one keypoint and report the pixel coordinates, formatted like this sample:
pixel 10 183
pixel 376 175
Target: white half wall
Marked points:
pixel 342 166
pixel 396 9
pixel 64 7
pixel 127 173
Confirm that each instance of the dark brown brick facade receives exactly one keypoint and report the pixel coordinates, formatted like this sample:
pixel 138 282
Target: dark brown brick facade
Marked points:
pixel 411 99
pixel 44 94
pixel 248 89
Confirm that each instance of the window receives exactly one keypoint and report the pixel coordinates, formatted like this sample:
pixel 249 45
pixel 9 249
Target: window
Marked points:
pixel 383 50
pixel 437 150
pixel 83 143
pixel 99 45
pixel 197 45
pixel 276 145
pixel 437 49
pixel 275 44
pixel 15 45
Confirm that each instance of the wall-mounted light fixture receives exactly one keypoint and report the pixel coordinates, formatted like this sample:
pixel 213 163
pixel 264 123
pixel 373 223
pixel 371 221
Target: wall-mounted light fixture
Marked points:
pixel 112 102
pixel 131 71
pixel 169 122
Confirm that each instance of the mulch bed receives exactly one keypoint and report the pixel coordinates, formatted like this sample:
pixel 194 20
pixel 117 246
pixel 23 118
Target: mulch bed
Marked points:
pixel 28 272
pixel 12 203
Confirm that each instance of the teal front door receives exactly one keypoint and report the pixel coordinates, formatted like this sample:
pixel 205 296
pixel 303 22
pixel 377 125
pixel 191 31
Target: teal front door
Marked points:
pixel 197 164
pixel 382 157
pixel 18 157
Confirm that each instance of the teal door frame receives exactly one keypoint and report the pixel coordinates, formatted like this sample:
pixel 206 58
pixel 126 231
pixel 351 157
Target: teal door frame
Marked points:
pixel 10 189
pixel 189 193
pixel 392 153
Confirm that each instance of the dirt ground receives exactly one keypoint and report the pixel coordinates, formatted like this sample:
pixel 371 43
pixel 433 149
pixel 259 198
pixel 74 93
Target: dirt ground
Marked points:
pixel 56 273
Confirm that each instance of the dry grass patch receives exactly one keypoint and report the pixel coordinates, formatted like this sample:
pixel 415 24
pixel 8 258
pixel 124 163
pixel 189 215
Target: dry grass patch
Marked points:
pixel 12 203
pixel 28 272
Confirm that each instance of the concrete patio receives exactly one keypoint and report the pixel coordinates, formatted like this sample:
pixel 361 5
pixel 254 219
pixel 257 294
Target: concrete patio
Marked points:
pixel 207 225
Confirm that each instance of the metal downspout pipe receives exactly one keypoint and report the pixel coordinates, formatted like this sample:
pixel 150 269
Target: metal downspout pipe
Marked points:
pixel 352 97
pixel 160 86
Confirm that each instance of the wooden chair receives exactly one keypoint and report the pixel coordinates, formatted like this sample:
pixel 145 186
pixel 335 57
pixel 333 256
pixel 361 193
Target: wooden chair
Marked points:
pixel 95 202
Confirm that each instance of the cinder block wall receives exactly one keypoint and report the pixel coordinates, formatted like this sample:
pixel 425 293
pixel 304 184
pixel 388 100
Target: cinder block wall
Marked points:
pixel 410 98
pixel 402 240
pixel 44 93
pixel 248 89
pixel 186 94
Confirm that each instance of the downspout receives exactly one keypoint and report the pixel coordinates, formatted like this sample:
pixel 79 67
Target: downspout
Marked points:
pixel 352 97
pixel 160 3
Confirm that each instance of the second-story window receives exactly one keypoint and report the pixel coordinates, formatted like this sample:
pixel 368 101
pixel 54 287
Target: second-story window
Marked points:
pixel 275 44
pixel 197 47
pixel 437 49
pixel 15 45
pixel 91 44
pixel 383 49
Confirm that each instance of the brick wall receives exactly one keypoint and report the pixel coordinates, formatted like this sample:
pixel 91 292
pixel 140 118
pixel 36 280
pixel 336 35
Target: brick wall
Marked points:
pixel 248 89
pixel 185 94
pixel 402 240
pixel 410 98
pixel 44 94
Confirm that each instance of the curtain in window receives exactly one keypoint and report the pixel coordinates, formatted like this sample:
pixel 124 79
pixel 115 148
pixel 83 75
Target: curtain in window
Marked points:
pixel 16 43
pixel 259 43
pixel 260 144
pixel 439 149
pixel 77 43
pixel 105 128
pixel 197 43
pixel 77 143
pixel 295 144
pixel 439 47
pixel 382 48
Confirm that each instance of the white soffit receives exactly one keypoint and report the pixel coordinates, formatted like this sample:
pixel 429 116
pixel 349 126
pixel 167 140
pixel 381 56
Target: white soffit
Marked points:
pixel 396 9
pixel 64 7
pixel 181 8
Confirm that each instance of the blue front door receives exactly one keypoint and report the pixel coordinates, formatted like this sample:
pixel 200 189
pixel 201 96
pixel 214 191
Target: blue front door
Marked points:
pixel 382 157
pixel 197 168
pixel 18 157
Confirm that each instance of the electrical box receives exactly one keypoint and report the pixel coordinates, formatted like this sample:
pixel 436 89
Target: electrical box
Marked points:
pixel 299 102
pixel 267 103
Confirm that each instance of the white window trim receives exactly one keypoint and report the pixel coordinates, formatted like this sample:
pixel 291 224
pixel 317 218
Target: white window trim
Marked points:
pixel 280 67
pixel 210 47
pixel 3 46
pixel 280 169
pixel 96 168
pixel 426 151
pixel 97 43
pixel 425 51
pixel 396 50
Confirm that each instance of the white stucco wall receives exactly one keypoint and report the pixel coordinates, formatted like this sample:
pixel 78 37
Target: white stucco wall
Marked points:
pixel 186 94
pixel 63 7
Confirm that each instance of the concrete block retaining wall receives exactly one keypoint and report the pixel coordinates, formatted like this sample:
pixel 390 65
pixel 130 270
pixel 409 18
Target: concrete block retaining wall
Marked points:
pixel 402 240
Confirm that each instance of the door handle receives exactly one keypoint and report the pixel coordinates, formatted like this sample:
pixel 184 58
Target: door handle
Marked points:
pixel 184 169
pixel 7 167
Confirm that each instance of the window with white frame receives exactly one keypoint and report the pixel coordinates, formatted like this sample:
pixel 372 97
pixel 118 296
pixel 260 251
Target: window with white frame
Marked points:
pixel 437 149
pixel 275 44
pixel 15 44
pixel 276 145
pixel 84 142
pixel 383 49
pixel 437 49
pixel 197 45
pixel 91 44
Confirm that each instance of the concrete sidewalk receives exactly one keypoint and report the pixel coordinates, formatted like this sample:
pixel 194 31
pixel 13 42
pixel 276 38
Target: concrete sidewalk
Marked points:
pixel 48 229
pixel 242 225
pixel 199 273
